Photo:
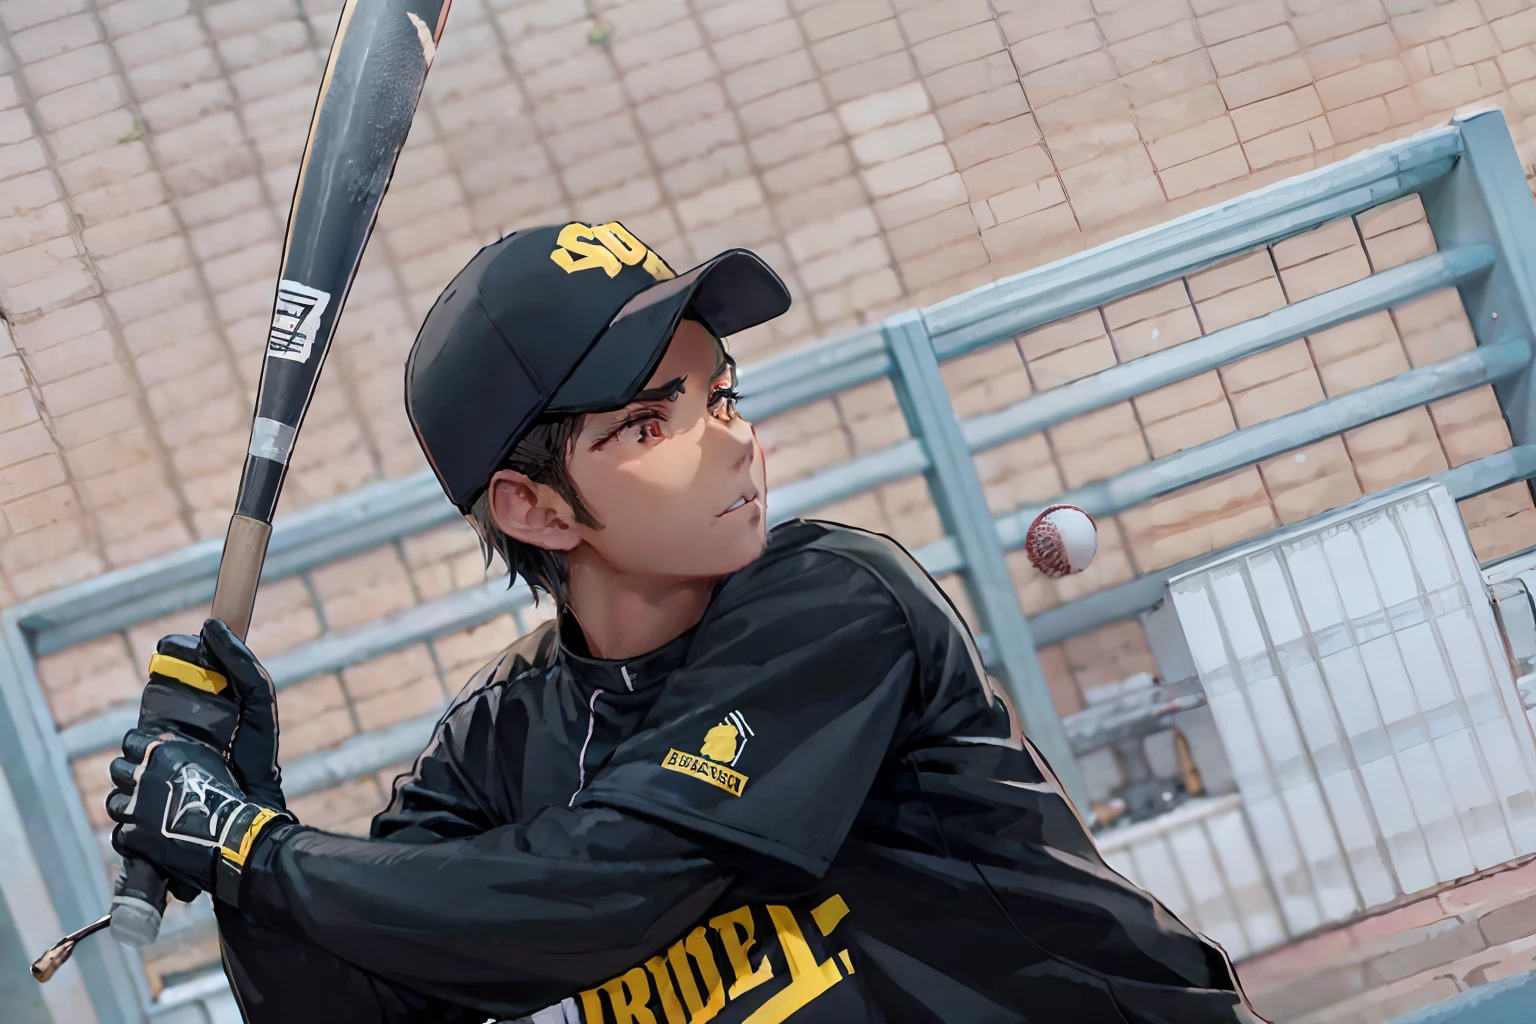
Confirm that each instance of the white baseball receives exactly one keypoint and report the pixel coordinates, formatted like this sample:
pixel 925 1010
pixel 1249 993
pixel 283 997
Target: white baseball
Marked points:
pixel 1061 541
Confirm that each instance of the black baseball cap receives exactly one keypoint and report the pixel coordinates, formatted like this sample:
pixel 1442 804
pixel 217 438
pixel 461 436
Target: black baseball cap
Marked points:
pixel 561 319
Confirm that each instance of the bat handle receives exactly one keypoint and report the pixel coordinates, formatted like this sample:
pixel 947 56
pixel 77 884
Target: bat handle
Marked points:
pixel 138 904
pixel 138 901
pixel 245 549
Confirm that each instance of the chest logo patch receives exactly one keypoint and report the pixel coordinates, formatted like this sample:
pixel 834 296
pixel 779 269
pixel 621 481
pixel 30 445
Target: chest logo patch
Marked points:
pixel 722 748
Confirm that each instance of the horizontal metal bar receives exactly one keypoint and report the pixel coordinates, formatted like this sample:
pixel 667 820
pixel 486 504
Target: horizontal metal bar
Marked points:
pixel 1482 365
pixel 1143 593
pixel 1133 263
pixel 358 755
pixel 400 743
pixel 846 480
pixel 813 371
pixel 1159 369
pixel 394 509
pixel 1154 479
pixel 333 652
pixel 1192 358
pixel 396 744
pixel 364 519
pixel 461 610
pixel 1115 269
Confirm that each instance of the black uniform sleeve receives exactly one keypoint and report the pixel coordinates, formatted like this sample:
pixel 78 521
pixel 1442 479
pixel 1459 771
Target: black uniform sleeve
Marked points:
pixel 279 977
pixel 462 783
pixel 446 795
pixel 794 686
pixel 769 738
pixel 508 922
pixel 999 805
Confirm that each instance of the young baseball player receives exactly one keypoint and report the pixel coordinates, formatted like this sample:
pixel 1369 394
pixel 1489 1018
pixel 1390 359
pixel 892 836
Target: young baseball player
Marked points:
pixel 746 775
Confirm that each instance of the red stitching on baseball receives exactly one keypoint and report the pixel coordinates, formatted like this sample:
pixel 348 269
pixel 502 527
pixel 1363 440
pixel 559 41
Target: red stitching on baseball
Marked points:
pixel 1044 547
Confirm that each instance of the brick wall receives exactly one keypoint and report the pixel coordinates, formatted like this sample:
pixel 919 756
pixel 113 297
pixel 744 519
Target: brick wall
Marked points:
pixel 879 153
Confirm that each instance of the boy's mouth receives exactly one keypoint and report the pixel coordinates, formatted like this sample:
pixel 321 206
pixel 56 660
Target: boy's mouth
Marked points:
pixel 738 503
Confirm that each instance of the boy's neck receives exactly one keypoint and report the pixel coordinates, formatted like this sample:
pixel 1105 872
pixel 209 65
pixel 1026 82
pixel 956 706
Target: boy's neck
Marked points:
pixel 624 616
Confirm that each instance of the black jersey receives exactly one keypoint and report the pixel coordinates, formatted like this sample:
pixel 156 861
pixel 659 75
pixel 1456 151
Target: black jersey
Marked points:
pixel 812 807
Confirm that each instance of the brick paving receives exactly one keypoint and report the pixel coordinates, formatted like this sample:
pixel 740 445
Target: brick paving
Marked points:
pixel 879 153
pixel 1404 958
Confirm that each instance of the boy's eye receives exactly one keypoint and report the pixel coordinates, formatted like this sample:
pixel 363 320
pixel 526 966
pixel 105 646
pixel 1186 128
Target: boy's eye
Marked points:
pixel 642 427
pixel 723 400
pixel 645 427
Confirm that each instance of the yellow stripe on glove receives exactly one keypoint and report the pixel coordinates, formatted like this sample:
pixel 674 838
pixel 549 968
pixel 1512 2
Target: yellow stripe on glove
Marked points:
pixel 195 676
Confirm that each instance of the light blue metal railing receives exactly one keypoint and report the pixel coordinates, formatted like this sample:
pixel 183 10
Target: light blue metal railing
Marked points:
pixel 1474 194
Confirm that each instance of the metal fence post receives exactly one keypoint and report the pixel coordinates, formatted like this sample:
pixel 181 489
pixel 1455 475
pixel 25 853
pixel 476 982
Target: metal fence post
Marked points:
pixel 60 849
pixel 962 505
pixel 1485 199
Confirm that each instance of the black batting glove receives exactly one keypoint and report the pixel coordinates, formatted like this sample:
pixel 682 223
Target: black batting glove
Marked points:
pixel 252 752
pixel 211 688
pixel 177 805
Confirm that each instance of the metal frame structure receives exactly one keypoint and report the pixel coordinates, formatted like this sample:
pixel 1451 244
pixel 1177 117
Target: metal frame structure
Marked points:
pixel 1478 206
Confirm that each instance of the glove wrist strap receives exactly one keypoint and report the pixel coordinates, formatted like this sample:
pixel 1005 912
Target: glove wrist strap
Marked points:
pixel 236 844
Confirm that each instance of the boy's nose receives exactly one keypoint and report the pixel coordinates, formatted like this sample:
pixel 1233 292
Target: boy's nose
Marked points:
pixel 745 443
pixel 735 443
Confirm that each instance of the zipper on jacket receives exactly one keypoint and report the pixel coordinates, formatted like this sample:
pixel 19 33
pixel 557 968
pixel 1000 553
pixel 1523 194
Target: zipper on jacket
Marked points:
pixel 581 760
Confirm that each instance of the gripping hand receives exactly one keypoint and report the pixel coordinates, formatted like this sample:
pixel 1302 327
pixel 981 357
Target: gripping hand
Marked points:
pixel 252 751
pixel 211 688
pixel 177 805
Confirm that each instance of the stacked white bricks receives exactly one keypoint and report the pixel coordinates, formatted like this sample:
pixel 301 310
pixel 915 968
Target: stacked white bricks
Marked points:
pixel 879 153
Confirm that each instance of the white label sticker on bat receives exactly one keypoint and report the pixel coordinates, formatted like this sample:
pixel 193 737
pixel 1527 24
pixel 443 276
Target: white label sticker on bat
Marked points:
pixel 295 320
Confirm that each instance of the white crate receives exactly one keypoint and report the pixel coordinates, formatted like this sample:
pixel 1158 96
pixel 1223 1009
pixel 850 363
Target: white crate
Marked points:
pixel 1358 680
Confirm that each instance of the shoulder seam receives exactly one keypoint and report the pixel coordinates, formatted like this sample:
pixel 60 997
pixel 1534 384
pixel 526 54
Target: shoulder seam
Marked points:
pixel 869 571
pixel 453 708
pixel 829 528
pixel 491 683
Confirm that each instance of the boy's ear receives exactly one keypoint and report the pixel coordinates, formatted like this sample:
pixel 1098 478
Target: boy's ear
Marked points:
pixel 531 513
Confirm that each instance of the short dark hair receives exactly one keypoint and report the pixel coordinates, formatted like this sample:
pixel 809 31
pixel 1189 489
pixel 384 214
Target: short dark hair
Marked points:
pixel 542 457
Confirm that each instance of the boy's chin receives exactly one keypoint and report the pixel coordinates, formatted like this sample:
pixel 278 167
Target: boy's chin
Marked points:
pixel 744 550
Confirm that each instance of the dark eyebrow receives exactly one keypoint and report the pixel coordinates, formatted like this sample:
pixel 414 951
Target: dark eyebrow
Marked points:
pixel 677 385
pixel 670 390
pixel 666 392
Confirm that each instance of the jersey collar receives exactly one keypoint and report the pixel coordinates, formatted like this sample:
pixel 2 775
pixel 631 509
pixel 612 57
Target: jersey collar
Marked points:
pixel 629 674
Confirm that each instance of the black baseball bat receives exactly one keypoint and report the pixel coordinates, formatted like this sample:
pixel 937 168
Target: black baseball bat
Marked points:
pixel 368 97
pixel 372 83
